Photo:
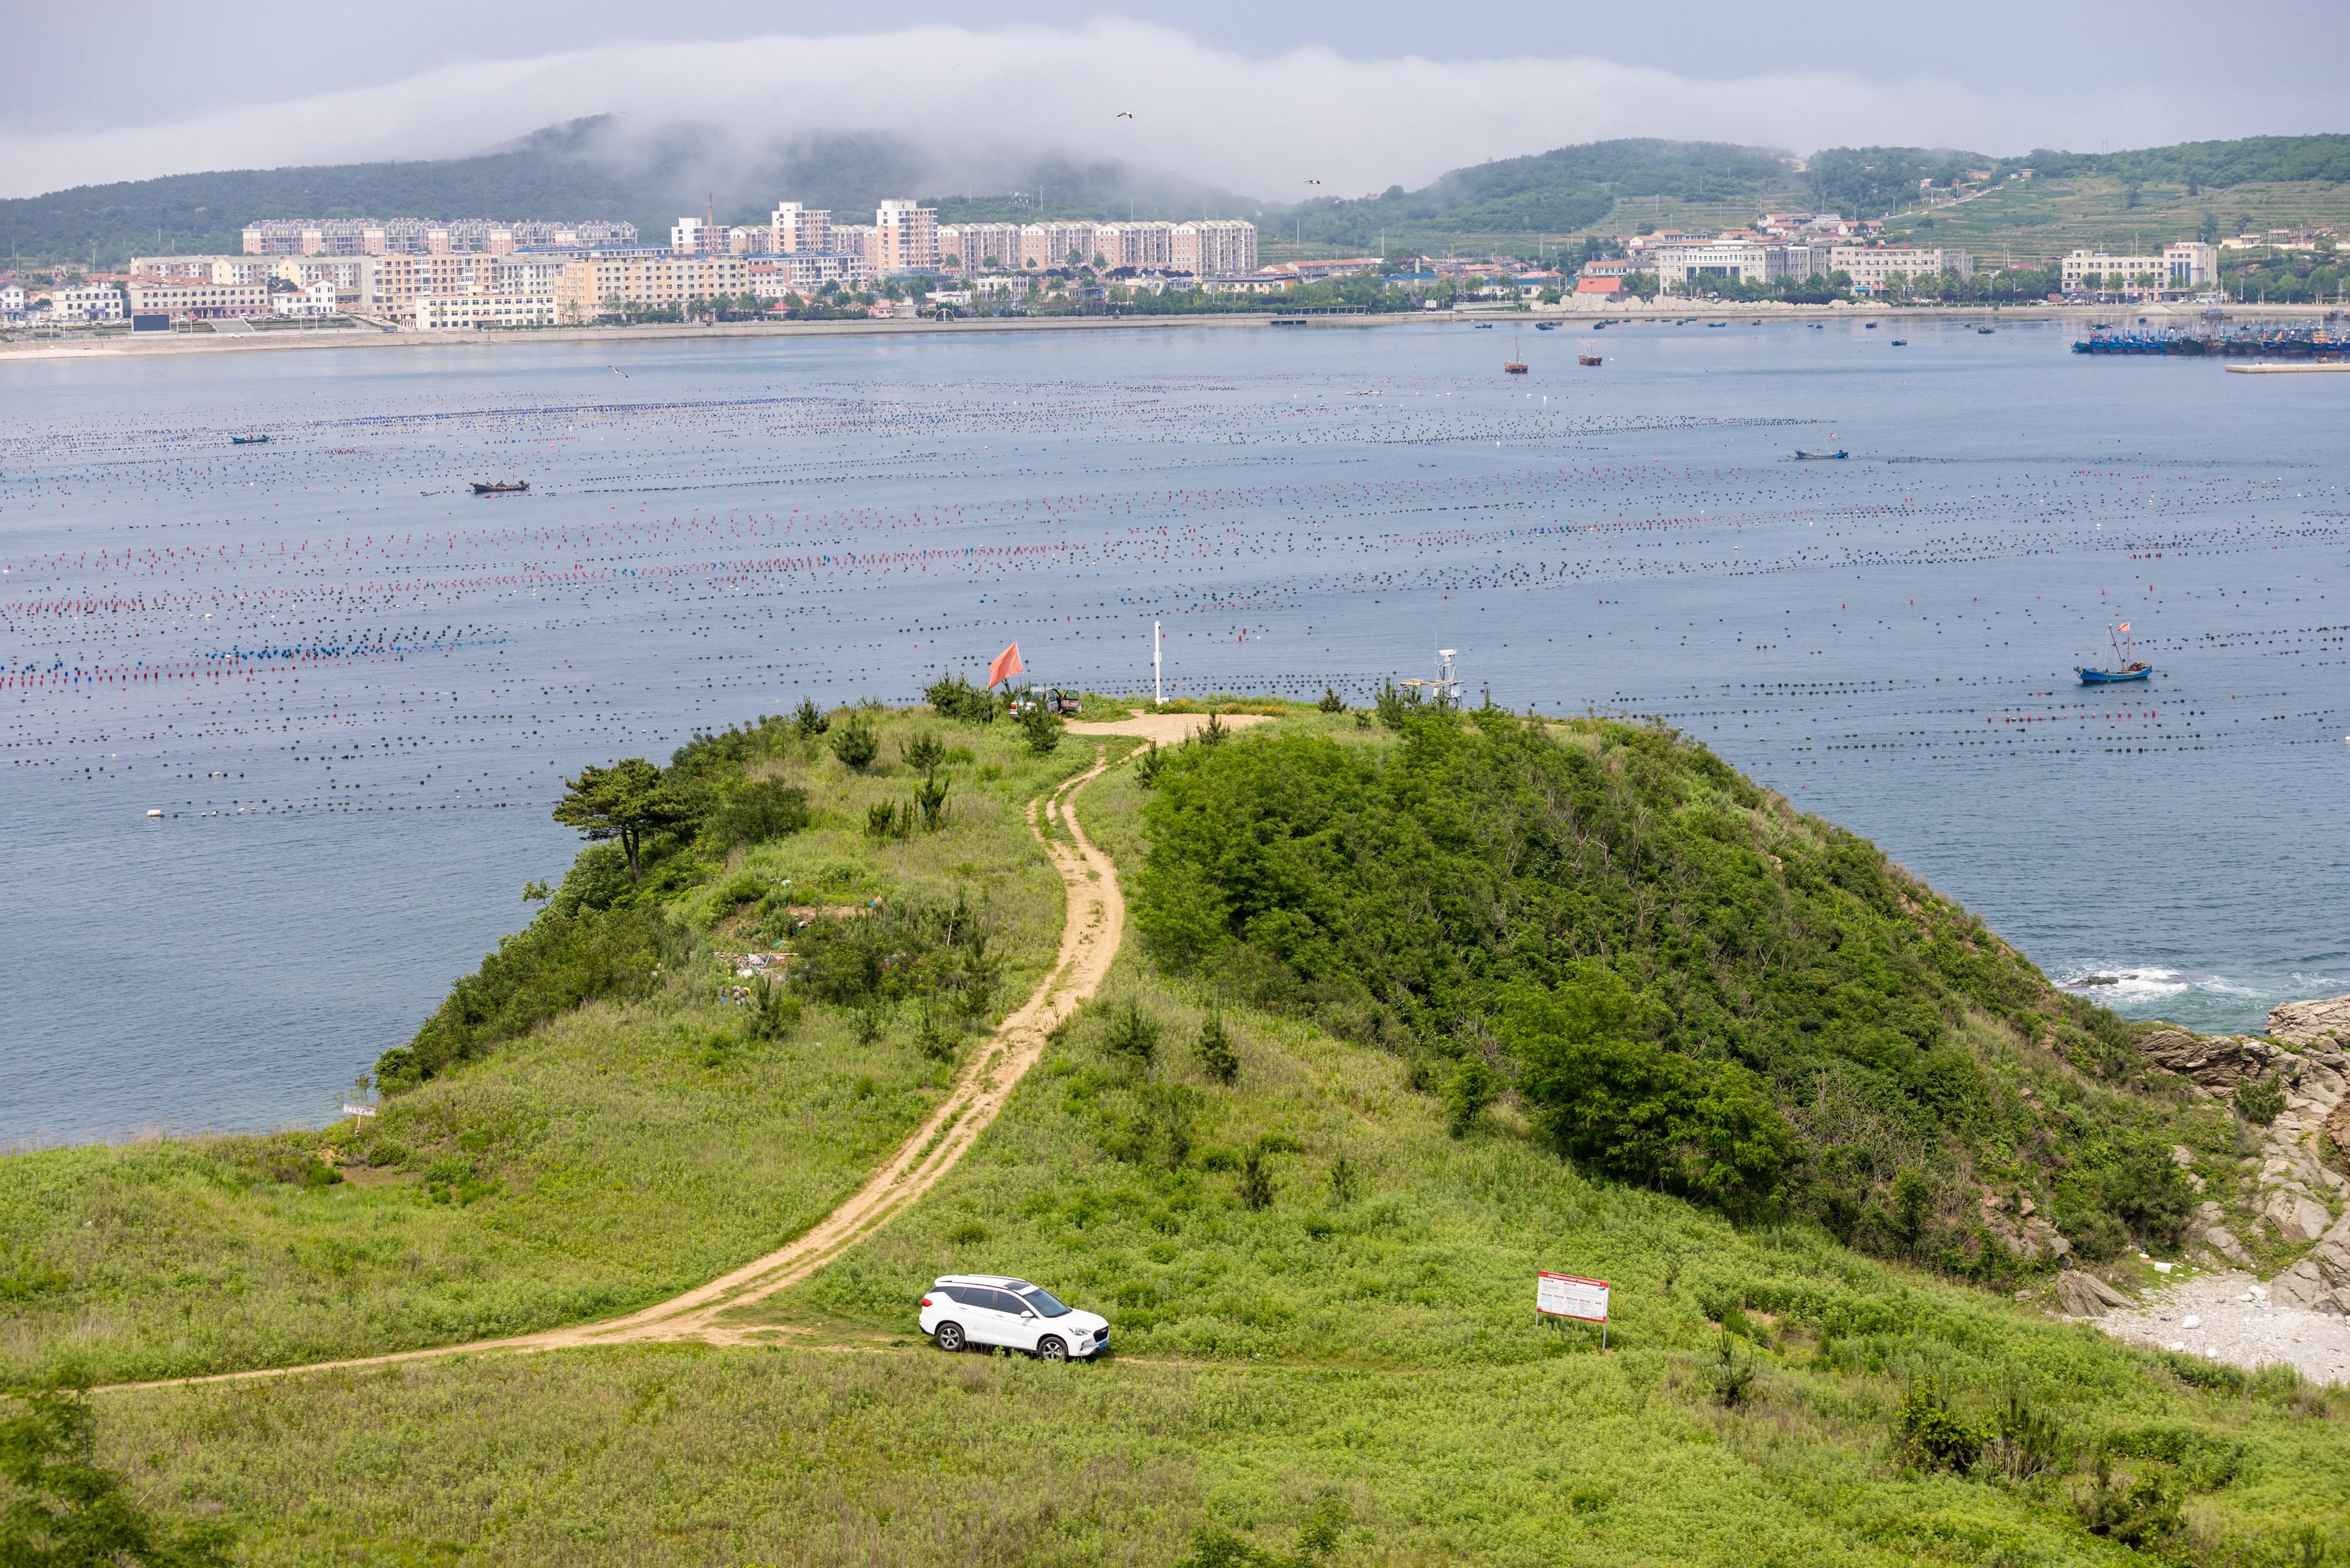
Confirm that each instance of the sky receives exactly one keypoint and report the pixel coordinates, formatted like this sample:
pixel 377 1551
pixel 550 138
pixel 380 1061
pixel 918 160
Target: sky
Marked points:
pixel 1255 98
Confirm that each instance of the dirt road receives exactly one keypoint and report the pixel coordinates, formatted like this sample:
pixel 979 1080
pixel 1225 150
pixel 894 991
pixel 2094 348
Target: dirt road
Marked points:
pixel 1090 934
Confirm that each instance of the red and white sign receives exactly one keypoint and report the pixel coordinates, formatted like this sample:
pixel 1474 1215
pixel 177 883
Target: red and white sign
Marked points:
pixel 1564 1295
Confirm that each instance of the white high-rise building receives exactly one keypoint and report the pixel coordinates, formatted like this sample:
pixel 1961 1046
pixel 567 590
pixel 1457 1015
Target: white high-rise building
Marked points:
pixel 908 236
pixel 799 230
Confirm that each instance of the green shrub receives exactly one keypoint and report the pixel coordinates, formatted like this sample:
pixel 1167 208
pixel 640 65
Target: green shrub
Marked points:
pixel 1043 727
pixel 758 811
pixel 1218 1059
pixel 1128 1031
pixel 1331 702
pixel 930 801
pixel 2141 1514
pixel 953 697
pixel 809 719
pixel 1256 1183
pixel 856 743
pixel 1731 1373
pixel 1930 1436
pixel 922 751
pixel 1473 1088
pixel 2260 1101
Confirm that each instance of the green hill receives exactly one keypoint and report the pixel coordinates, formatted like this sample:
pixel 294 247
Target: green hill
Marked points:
pixel 1413 1005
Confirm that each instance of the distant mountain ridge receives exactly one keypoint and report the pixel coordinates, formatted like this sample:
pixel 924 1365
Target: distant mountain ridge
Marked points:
pixel 604 167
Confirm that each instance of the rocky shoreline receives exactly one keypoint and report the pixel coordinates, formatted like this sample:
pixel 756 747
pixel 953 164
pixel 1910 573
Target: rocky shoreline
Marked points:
pixel 2302 1317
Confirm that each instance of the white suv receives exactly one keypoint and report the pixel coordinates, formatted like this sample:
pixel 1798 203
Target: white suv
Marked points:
pixel 990 1309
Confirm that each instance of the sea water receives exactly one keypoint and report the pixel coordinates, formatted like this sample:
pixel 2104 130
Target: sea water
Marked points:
pixel 352 687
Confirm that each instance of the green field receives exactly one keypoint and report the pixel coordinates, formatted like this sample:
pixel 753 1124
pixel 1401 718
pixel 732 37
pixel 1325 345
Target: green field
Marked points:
pixel 1319 1265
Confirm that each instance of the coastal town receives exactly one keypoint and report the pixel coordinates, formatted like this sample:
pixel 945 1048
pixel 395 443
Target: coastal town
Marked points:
pixel 418 275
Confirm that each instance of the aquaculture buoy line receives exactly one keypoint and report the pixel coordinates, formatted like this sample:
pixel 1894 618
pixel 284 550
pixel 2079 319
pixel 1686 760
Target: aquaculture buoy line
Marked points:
pixel 302 624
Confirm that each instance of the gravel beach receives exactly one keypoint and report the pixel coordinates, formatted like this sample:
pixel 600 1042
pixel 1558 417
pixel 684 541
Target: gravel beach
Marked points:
pixel 2228 1317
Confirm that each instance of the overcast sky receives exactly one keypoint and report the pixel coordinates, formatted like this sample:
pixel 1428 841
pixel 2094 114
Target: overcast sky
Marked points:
pixel 1250 95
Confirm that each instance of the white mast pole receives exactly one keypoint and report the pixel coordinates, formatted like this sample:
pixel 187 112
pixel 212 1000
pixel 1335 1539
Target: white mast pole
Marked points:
pixel 1157 692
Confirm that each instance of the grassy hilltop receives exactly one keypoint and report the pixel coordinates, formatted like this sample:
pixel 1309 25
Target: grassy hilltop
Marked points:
pixel 1412 1005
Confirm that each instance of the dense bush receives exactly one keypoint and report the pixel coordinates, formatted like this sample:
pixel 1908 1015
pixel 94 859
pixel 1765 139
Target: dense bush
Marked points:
pixel 1698 989
pixel 756 811
pixel 549 966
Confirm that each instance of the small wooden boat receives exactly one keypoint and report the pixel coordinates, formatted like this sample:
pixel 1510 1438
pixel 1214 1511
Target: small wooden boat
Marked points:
pixel 248 440
pixel 1837 456
pixel 1901 343
pixel 1586 358
pixel 1513 366
pixel 1545 326
pixel 510 487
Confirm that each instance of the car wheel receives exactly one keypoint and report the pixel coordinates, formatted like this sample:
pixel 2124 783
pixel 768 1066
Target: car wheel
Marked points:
pixel 1050 1348
pixel 950 1337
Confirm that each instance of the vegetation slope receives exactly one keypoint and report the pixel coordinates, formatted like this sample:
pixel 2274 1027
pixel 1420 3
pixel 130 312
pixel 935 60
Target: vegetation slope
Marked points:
pixel 590 1122
pixel 1265 1154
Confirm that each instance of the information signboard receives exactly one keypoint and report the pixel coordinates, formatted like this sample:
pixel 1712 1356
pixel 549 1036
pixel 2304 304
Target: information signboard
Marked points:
pixel 1564 1295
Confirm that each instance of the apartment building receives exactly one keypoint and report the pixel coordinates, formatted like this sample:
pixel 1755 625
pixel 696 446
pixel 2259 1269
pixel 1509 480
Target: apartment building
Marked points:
pixel 210 269
pixel 425 236
pixel 794 229
pixel 772 277
pixel 1868 266
pixel 860 241
pixel 1214 247
pixel 647 280
pixel 690 237
pixel 1066 244
pixel 975 247
pixel 1145 246
pixel 441 313
pixel 906 238
pixel 2181 266
pixel 195 299
pixel 82 303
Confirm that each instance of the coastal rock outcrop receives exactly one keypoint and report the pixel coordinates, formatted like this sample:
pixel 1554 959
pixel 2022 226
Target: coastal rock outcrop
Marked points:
pixel 2082 1295
pixel 2320 1023
pixel 2295 1193
pixel 2320 1281
pixel 2220 1063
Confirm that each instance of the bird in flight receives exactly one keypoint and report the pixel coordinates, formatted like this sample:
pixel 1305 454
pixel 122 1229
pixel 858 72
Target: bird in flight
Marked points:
pixel 618 371
pixel 1314 181
pixel 1124 114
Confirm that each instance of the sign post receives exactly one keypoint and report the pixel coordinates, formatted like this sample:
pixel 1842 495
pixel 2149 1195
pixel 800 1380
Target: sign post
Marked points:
pixel 1565 1295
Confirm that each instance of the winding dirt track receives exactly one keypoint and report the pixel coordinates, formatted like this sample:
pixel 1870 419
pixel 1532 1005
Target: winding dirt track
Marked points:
pixel 1090 933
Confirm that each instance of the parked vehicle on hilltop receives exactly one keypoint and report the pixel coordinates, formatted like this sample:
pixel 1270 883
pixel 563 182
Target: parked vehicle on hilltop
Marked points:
pixel 995 1309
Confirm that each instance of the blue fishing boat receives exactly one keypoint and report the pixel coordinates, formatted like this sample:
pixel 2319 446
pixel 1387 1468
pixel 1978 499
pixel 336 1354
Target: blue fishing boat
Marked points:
pixel 247 441
pixel 1837 456
pixel 2125 668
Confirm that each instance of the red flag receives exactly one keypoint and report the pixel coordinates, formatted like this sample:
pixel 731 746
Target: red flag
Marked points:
pixel 2124 626
pixel 1007 665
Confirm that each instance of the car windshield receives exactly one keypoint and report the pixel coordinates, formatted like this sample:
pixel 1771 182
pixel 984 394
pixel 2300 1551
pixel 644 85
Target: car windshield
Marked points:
pixel 1040 1298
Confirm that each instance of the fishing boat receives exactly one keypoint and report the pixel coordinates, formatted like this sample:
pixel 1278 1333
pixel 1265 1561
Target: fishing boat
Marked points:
pixel 1484 326
pixel 1984 331
pixel 1838 456
pixel 248 440
pixel 1869 325
pixel 1545 326
pixel 1586 358
pixel 509 487
pixel 1513 366
pixel 2126 667
pixel 1901 343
